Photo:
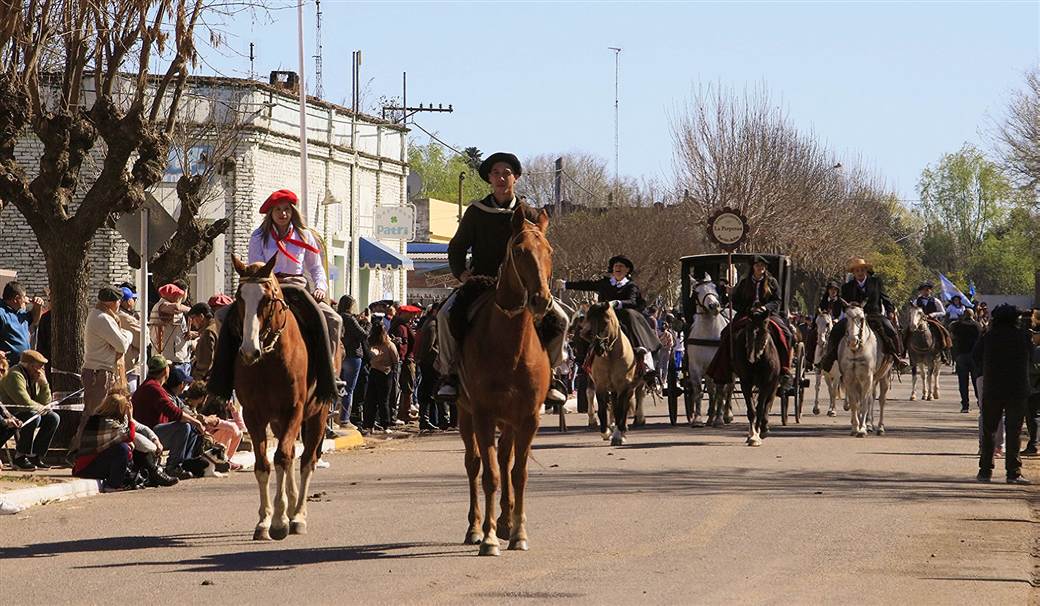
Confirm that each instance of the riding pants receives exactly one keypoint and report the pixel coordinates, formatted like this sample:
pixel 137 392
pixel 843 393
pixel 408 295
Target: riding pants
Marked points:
pixel 888 337
pixel 333 321
pixel 447 347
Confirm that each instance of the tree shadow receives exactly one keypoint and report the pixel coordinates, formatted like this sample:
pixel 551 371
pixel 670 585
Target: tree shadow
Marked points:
pixel 124 543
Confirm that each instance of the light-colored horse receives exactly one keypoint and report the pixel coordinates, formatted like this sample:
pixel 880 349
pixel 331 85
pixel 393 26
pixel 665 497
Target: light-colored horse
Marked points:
pixel 925 355
pixel 701 345
pixel 863 367
pixel 824 325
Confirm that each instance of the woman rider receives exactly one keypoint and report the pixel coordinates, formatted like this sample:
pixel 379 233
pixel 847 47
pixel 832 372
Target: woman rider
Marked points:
pixel 757 290
pixel 618 289
pixel 284 233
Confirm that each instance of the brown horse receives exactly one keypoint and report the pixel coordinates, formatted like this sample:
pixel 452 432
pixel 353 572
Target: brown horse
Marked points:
pixel 504 372
pixel 273 384
pixel 757 365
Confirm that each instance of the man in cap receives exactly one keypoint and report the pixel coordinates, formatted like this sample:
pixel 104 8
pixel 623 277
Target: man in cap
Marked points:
pixel 178 429
pixel 867 290
pixel 104 343
pixel 24 388
pixel 1003 356
pixel 16 321
pixel 484 233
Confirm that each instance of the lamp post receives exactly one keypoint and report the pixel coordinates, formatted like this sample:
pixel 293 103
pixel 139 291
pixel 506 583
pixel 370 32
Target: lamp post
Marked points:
pixel 462 177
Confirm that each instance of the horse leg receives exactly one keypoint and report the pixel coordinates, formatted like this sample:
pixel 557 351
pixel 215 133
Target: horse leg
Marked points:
pixel 696 391
pixel 590 396
pixel 622 406
pixel 522 444
pixel 262 472
pixel 816 400
pixel 602 403
pixel 753 438
pixel 283 458
pixel 936 369
pixel 313 436
pixel 485 428
pixel 727 403
pixel 505 463
pixel 882 398
pixel 913 380
pixel 469 440
pixel 639 395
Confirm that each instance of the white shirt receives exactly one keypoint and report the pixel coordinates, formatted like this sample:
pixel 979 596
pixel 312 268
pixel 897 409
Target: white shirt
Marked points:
pixel 104 341
pixel 307 262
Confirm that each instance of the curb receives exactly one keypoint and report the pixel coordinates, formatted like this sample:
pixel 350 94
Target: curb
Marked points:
pixel 76 488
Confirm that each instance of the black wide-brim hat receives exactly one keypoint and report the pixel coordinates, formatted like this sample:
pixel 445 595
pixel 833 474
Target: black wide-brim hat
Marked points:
pixel 508 158
pixel 925 285
pixel 620 259
pixel 833 284
pixel 760 259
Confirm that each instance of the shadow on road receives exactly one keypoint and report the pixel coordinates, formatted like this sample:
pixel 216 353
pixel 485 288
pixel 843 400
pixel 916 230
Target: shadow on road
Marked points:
pixel 43 550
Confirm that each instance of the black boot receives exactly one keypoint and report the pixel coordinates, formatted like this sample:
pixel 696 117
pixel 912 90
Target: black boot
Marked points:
pixel 149 466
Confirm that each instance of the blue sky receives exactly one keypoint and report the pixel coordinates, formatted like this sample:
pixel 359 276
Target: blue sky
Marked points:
pixel 895 84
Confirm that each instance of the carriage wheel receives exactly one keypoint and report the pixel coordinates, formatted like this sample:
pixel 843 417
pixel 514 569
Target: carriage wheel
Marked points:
pixel 784 401
pixel 673 393
pixel 799 391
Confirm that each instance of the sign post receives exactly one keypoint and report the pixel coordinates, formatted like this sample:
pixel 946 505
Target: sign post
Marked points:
pixel 728 228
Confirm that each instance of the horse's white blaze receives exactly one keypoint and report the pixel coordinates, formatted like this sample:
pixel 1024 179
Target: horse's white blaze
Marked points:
pixel 251 295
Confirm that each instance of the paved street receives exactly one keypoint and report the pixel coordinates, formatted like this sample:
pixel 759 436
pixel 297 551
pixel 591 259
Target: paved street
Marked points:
pixel 676 516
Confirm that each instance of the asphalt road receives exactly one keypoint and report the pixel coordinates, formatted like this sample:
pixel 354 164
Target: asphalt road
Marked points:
pixel 678 515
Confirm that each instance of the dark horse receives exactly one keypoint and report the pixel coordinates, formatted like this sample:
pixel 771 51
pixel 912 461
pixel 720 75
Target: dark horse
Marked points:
pixel 504 372
pixel 757 365
pixel 275 387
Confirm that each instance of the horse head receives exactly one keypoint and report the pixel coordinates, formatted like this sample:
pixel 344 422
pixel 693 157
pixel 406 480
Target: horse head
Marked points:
pixel 824 325
pixel 706 297
pixel 756 335
pixel 525 272
pixel 259 301
pixel 601 328
pixel 857 325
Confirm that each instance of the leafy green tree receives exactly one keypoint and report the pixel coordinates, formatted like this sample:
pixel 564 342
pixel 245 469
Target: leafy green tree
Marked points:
pixel 440 169
pixel 1009 256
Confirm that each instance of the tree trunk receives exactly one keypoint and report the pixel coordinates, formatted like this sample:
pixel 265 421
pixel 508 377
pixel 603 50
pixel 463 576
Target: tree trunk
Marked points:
pixel 68 272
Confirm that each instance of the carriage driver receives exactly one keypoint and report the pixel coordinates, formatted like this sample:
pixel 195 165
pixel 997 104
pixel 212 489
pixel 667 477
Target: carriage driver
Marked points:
pixel 484 232
pixel 284 233
pixel 866 289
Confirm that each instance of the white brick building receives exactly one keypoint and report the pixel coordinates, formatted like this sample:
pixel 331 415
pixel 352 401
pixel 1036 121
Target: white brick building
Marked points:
pixel 353 166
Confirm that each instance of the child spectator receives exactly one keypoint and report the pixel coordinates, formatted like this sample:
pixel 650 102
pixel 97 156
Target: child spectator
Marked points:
pixel 220 429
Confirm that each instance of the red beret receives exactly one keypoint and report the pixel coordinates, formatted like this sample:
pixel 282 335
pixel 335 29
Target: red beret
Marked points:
pixel 409 309
pixel 170 291
pixel 220 300
pixel 282 195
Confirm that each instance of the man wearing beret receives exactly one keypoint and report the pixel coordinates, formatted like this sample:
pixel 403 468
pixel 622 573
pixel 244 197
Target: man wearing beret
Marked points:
pixel 484 233
pixel 24 388
pixel 104 343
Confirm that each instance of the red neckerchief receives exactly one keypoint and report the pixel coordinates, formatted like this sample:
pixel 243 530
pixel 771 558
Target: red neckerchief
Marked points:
pixel 290 238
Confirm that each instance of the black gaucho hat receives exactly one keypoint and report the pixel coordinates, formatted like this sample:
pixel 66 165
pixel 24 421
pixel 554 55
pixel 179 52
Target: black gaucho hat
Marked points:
pixel 620 259
pixel 833 284
pixel 925 285
pixel 1005 312
pixel 508 158
pixel 760 259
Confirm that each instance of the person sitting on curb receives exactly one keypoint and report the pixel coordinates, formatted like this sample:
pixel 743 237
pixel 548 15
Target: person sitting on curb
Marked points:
pixel 24 388
pixel 223 431
pixel 179 430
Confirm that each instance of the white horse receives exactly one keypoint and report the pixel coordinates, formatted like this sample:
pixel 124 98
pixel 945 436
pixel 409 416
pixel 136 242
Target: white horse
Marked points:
pixel 863 366
pixel 701 345
pixel 925 350
pixel 824 325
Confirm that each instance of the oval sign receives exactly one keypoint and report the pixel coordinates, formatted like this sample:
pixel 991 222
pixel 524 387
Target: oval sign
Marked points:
pixel 727 228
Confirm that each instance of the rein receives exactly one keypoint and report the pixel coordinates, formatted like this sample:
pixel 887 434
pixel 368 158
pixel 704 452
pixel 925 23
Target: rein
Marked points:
pixel 269 337
pixel 510 261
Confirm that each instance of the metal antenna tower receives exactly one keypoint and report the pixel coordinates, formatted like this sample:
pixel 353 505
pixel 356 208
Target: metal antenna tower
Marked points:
pixel 319 90
pixel 617 144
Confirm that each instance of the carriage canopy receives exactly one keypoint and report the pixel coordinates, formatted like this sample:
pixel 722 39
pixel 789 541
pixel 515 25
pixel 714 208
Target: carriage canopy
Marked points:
pixel 695 267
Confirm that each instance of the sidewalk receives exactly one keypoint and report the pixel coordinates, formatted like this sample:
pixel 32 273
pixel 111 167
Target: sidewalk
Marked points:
pixel 65 487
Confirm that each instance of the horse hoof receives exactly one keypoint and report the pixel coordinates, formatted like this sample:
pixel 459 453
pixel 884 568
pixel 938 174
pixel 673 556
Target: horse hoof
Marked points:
pixel 816 410
pixel 880 431
pixel 638 422
pixel 518 545
pixel 831 413
pixel 473 537
pixel 846 407
pixel 261 534
pixel 697 422
pixel 617 441
pixel 297 527
pixel 488 549
pixel 861 434
pixel 605 436
pixel 913 397
pixel 754 441
pixel 727 419
pixel 279 532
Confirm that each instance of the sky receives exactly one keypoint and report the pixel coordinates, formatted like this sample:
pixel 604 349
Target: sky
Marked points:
pixel 891 85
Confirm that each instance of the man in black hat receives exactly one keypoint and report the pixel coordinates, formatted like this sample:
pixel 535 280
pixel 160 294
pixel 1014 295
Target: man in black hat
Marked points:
pixel 484 233
pixel 1003 356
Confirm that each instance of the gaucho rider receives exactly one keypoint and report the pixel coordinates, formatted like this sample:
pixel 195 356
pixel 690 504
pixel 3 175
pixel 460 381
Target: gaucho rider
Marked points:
pixel 757 290
pixel 618 289
pixel 934 313
pixel 284 233
pixel 484 232
pixel 831 302
pixel 866 289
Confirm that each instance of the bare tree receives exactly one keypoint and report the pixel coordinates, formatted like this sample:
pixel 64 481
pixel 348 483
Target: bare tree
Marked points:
pixel 76 76
pixel 1018 137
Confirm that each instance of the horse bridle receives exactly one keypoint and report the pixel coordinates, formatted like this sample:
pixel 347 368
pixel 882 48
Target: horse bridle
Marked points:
pixel 512 312
pixel 269 339
pixel 699 301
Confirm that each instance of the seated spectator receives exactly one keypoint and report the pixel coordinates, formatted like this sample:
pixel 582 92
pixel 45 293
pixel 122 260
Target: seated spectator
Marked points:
pixel 177 429
pixel 24 388
pixel 223 431
pixel 15 320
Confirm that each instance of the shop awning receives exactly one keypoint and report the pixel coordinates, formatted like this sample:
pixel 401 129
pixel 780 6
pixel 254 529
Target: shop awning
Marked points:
pixel 374 253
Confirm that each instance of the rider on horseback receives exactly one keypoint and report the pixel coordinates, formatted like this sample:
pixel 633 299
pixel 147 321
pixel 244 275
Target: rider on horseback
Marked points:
pixel 866 289
pixel 621 292
pixel 484 232
pixel 934 313
pixel 831 302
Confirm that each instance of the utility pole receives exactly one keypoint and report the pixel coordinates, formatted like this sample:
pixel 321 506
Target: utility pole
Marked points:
pixel 252 57
pixel 319 90
pixel 407 112
pixel 304 203
pixel 558 187
pixel 617 144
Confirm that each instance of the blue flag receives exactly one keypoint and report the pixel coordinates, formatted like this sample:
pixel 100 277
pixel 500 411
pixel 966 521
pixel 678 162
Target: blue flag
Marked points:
pixel 971 288
pixel 949 291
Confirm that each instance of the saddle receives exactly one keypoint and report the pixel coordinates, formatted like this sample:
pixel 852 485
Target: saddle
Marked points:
pixel 320 372
pixel 477 292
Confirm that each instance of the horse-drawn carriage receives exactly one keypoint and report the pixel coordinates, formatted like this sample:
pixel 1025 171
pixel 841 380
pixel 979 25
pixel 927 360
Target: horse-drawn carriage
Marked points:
pixel 698 272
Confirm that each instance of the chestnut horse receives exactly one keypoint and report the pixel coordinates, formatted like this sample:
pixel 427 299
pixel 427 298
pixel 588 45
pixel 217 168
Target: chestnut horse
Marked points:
pixel 504 377
pixel 273 385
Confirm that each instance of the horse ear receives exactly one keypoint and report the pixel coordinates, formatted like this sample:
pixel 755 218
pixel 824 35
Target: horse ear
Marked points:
pixel 239 266
pixel 268 267
pixel 543 221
